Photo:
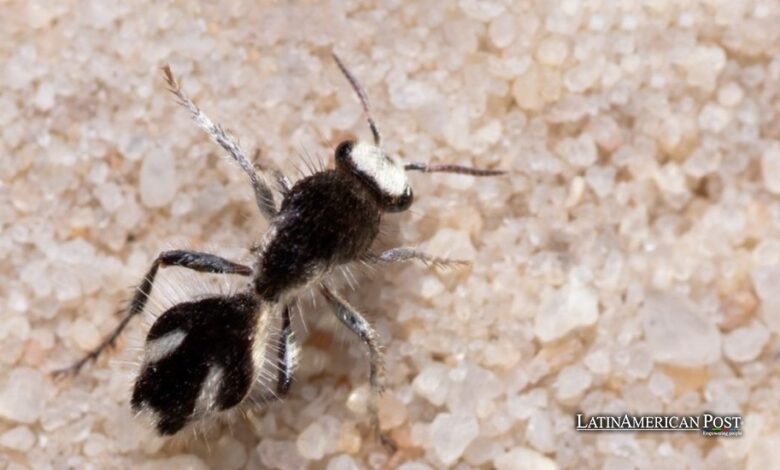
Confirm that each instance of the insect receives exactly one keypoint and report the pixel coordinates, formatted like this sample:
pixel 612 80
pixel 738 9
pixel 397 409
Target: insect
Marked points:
pixel 203 357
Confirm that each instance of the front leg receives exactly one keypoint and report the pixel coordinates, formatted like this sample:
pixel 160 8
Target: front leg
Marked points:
pixel 195 260
pixel 353 320
pixel 401 254
pixel 264 197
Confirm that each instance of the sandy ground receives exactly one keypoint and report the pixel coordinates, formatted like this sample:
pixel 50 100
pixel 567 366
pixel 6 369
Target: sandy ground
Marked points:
pixel 630 261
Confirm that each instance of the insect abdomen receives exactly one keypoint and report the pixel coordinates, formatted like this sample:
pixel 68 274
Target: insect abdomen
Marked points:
pixel 198 358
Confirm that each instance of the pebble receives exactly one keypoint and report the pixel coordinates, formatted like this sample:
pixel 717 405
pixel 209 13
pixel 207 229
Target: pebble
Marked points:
pixel 184 461
pixel 85 334
pixel 157 179
pixel 599 362
pixel 414 466
pixel 15 325
pixel 482 451
pixel 19 438
pixel 350 439
pixel 502 354
pixel 765 452
pixel 677 333
pixel 44 98
pixel 472 389
pixel 342 462
pixel 483 10
pixel 12 350
pixel 280 454
pixel 703 65
pixel 583 77
pixel 730 94
pixel 574 305
pixel 311 443
pixel 746 343
pixel 110 196
pixel 227 453
pixel 765 282
pixel 671 180
pixel 572 382
pixel 412 94
pixel 527 89
pixel 432 383
pixel 523 458
pixel 451 242
pixel 357 401
pixel 23 395
pixel 540 433
pixel 580 152
pixel 661 385
pixel 451 434
pixel 770 168
pixel 606 132
pixel 430 287
pixel 714 118
pixel 502 31
pixel 392 412
pixel 552 51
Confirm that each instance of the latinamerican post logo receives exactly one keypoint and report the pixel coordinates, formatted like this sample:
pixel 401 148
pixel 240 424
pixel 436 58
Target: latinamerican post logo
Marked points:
pixel 708 424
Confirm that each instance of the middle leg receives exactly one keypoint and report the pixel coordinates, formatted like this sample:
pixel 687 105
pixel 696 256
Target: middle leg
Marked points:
pixel 358 324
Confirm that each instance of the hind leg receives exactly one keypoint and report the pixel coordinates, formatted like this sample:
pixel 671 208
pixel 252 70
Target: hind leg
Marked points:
pixel 195 260
pixel 287 356
pixel 286 362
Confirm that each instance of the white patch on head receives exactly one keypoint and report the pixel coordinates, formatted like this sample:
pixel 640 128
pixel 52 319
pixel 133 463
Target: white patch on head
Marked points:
pixel 207 398
pixel 388 174
pixel 163 346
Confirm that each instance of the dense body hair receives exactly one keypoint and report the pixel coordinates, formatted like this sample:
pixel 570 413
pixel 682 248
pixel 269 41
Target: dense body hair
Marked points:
pixel 325 220
pixel 198 360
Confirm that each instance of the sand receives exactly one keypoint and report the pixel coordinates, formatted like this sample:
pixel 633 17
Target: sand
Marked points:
pixel 629 261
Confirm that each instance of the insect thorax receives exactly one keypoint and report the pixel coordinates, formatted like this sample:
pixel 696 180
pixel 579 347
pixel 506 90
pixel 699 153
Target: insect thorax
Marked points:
pixel 326 219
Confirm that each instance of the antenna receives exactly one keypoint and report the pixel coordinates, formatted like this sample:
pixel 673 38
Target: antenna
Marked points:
pixel 362 96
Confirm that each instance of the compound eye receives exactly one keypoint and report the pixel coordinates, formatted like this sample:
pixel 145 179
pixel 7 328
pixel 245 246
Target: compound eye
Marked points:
pixel 402 202
pixel 344 153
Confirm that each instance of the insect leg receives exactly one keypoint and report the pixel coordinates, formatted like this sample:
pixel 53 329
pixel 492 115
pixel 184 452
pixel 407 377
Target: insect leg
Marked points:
pixel 197 261
pixel 287 355
pixel 283 183
pixel 363 329
pixel 401 254
pixel 263 195
pixel 286 362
